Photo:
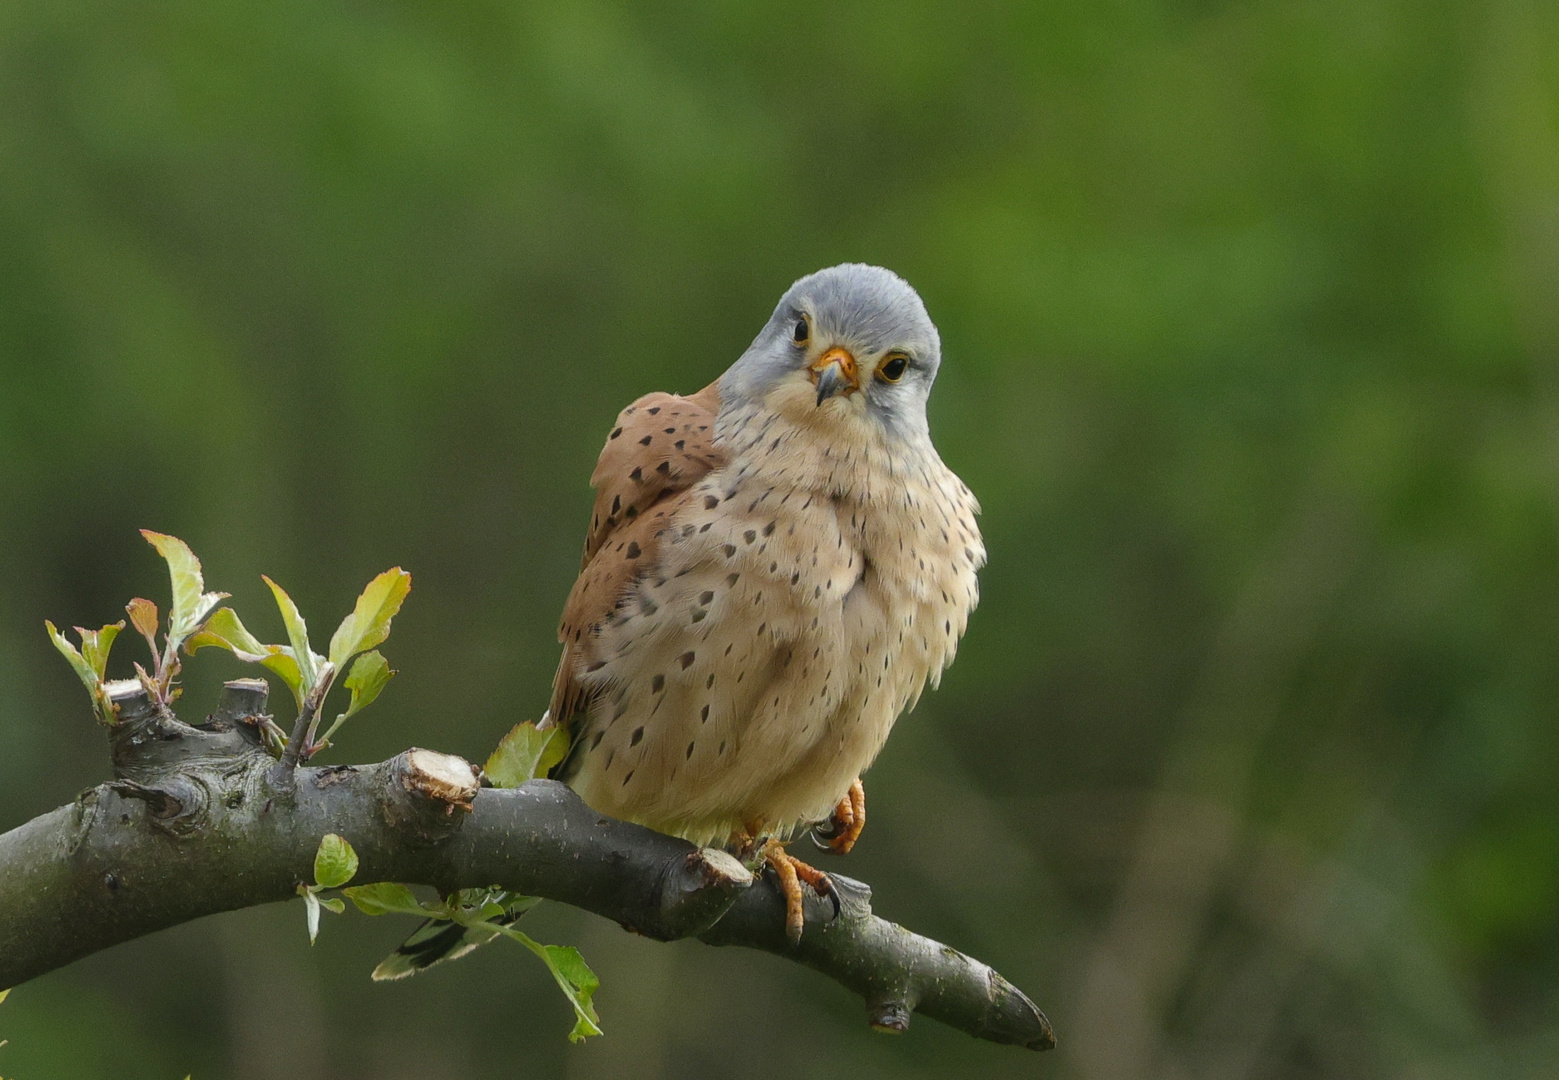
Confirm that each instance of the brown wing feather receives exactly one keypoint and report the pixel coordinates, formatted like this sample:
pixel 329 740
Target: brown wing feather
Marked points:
pixel 662 445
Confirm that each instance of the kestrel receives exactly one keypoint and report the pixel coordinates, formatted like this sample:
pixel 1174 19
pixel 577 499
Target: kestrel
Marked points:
pixel 776 567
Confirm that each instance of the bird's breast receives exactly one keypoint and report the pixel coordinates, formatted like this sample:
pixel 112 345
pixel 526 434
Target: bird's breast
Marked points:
pixel 757 669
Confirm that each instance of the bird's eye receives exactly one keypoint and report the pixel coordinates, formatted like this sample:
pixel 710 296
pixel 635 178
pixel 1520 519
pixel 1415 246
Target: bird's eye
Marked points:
pixel 801 332
pixel 893 368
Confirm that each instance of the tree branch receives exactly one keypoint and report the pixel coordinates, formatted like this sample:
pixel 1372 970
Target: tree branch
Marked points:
pixel 196 822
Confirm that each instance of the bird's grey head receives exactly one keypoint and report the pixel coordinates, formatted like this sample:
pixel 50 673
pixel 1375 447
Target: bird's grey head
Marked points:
pixel 852 341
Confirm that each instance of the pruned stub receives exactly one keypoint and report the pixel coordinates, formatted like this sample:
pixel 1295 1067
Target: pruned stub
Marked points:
pixel 443 778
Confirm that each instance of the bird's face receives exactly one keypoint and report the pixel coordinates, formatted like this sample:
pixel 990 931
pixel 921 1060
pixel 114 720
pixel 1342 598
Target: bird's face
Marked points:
pixel 848 345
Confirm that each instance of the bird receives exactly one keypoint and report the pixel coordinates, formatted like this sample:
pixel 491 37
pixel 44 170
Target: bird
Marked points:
pixel 776 567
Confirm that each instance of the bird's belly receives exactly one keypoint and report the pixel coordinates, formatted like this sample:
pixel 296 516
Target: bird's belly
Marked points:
pixel 755 677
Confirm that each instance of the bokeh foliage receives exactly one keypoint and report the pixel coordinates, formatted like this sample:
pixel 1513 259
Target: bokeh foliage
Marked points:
pixel 1251 315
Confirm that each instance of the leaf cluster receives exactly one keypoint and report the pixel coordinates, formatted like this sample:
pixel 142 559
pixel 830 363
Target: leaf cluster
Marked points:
pixel 196 622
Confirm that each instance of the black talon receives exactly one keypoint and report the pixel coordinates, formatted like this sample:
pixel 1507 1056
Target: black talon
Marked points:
pixel 830 893
pixel 824 832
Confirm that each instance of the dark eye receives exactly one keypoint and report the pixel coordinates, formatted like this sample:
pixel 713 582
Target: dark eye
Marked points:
pixel 893 369
pixel 800 332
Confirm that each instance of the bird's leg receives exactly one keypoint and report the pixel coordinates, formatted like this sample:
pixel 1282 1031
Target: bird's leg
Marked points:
pixel 792 872
pixel 841 831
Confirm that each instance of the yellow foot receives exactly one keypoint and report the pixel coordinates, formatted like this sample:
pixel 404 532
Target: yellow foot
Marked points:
pixel 792 872
pixel 840 832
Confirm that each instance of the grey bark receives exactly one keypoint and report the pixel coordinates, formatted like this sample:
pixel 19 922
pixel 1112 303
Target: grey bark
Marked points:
pixel 200 820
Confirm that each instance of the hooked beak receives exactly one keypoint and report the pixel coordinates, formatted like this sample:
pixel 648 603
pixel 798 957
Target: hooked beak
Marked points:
pixel 835 373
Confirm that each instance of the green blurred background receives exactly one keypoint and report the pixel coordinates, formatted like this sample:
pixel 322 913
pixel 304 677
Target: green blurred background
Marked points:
pixel 1251 321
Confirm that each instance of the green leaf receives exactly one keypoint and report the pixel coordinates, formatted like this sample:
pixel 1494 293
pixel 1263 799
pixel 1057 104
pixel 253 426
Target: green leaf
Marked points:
pixel 526 753
pixel 311 911
pixel 95 645
pixel 369 675
pixel 4 994
pixel 334 863
pixel 387 898
pixel 432 943
pixel 298 635
pixel 78 664
pixel 369 623
pixel 89 668
pixel 572 975
pixel 224 630
pixel 333 904
pixel 191 603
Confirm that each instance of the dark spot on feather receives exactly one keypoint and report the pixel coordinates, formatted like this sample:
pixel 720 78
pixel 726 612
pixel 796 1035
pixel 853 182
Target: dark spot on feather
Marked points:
pixel 657 684
pixel 627 778
pixel 596 740
pixel 706 597
pixel 634 551
pixel 646 440
pixel 616 432
pixel 638 733
pixel 686 660
pixel 663 468
pixel 653 411
pixel 689 749
pixel 729 549
pixel 749 536
pixel 637 476
pixel 710 502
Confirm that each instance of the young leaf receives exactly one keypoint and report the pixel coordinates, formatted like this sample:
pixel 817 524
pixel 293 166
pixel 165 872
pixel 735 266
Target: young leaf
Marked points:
pixel 370 672
pixel 573 977
pixel 95 645
pixel 524 754
pixel 224 630
pixel 386 898
pixel 191 603
pixel 369 623
pixel 432 943
pixel 143 616
pixel 311 910
pixel 298 635
pixel 436 941
pixel 334 863
pixel 77 662
pixel 89 668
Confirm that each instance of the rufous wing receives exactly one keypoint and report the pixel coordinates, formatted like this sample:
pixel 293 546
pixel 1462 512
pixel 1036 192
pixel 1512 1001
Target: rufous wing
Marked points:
pixel 660 447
